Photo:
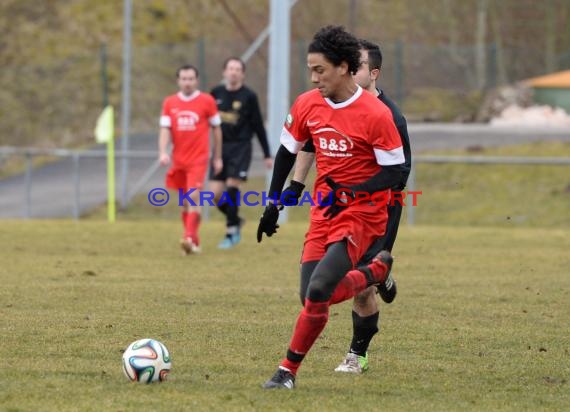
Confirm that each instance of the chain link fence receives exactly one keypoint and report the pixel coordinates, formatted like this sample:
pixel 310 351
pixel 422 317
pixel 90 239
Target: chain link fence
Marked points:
pixel 56 104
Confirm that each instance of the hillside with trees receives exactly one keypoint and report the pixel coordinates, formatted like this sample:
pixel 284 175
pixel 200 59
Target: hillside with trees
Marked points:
pixel 435 52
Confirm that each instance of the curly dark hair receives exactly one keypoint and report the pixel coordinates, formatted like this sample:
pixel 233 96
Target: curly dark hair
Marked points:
pixel 337 45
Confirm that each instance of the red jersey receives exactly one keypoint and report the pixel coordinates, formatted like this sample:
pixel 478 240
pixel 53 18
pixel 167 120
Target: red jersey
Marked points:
pixel 352 140
pixel 189 119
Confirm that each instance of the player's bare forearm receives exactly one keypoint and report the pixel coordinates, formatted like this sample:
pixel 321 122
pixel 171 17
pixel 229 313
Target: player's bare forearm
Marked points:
pixel 303 164
pixel 217 160
pixel 163 140
pixel 217 142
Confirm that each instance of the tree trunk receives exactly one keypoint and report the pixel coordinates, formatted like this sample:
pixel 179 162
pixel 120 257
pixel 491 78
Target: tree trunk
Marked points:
pixel 501 76
pixel 480 44
pixel 454 53
pixel 550 36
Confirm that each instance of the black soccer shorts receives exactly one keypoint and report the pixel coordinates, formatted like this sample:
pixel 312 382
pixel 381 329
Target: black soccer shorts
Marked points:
pixel 237 159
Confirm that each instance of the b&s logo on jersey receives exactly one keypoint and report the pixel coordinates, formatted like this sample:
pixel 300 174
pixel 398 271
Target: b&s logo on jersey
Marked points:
pixel 334 143
pixel 186 120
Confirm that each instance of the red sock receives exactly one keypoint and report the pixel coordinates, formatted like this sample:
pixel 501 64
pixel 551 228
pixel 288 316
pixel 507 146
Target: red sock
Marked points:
pixel 355 282
pixel 292 366
pixel 192 226
pixel 184 216
pixel 310 324
pixel 351 285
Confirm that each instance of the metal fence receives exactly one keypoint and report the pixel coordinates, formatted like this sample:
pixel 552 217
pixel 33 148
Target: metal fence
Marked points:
pixel 76 157
pixel 149 166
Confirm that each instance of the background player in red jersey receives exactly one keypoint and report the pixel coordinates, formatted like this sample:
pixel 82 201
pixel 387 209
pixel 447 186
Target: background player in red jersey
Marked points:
pixel 357 150
pixel 241 118
pixel 365 313
pixel 186 119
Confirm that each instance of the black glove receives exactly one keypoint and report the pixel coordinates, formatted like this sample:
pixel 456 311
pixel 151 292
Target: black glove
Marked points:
pixel 340 195
pixel 268 222
pixel 292 193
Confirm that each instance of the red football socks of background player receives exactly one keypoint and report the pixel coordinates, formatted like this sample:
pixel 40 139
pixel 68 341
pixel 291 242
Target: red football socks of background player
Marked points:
pixel 314 315
pixel 191 222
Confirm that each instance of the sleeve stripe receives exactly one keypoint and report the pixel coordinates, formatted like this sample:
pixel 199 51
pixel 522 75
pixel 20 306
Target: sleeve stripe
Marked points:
pixel 215 120
pixel 390 157
pixel 165 121
pixel 290 143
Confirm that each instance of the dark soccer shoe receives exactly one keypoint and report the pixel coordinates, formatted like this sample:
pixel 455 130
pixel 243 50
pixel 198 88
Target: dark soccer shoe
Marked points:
pixel 282 379
pixel 387 290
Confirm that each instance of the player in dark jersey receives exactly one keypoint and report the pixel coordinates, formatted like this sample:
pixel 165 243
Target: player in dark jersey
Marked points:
pixel 358 152
pixel 365 314
pixel 241 118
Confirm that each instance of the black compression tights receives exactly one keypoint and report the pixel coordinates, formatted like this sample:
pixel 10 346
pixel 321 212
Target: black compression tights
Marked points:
pixel 320 278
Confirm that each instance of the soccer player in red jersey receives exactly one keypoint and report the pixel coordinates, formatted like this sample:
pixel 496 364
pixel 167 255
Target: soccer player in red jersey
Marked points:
pixel 365 313
pixel 358 151
pixel 186 120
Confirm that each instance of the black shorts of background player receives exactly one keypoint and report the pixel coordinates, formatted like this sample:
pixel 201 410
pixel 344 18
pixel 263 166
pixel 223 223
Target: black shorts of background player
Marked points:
pixel 241 118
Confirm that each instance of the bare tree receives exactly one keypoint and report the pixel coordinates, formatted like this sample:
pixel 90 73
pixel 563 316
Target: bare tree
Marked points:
pixel 550 62
pixel 501 72
pixel 480 44
pixel 453 32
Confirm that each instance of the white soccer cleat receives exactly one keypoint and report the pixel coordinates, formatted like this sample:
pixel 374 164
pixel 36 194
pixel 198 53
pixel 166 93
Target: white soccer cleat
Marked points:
pixel 353 363
pixel 189 247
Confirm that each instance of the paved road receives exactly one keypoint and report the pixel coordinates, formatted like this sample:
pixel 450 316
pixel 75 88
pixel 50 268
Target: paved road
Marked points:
pixel 53 193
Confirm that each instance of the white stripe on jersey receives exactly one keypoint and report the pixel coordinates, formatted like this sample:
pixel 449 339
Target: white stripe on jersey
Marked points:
pixel 347 102
pixel 165 121
pixel 185 98
pixel 215 120
pixel 290 142
pixel 390 157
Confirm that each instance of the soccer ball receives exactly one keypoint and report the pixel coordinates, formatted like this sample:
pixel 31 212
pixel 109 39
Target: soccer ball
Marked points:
pixel 146 361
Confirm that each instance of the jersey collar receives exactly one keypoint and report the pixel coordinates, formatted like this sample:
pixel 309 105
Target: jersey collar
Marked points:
pixel 188 98
pixel 347 102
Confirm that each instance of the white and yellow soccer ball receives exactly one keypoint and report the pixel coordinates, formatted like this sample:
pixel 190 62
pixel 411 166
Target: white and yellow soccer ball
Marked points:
pixel 146 361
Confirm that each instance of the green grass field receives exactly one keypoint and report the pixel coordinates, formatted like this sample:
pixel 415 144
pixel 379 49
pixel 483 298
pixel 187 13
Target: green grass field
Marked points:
pixel 481 321
pixel 497 195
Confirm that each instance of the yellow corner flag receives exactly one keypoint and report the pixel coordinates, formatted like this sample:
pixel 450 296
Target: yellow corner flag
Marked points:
pixel 104 133
pixel 105 126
